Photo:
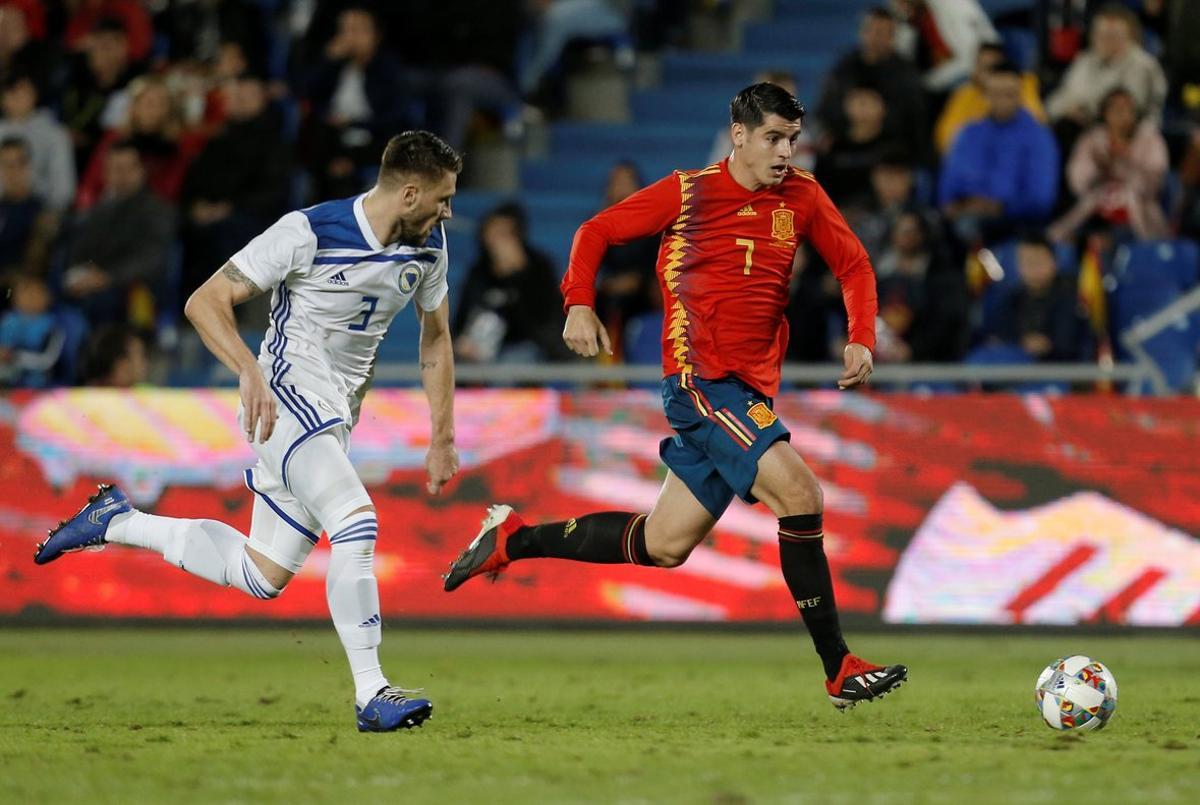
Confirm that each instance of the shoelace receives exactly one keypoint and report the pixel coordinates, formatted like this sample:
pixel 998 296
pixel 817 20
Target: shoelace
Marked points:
pixel 397 695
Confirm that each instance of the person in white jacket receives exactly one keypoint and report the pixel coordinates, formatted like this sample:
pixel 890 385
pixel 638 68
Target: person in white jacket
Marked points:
pixel 51 157
pixel 1114 58
pixel 942 37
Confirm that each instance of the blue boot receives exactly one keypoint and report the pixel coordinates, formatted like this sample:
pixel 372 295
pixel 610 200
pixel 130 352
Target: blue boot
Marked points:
pixel 86 529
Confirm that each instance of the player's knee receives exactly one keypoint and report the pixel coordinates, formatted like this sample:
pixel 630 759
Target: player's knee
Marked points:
pixel 803 496
pixel 669 559
pixel 275 576
pixel 669 553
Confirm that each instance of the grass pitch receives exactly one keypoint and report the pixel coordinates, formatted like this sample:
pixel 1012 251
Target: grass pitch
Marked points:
pixel 126 715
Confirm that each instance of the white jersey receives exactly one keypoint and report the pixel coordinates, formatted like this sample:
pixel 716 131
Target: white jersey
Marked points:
pixel 334 291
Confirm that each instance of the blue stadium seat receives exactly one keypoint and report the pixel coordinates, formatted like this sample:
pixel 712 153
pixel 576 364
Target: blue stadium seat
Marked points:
pixel 1146 278
pixel 1170 262
pixel 75 331
pixel 643 339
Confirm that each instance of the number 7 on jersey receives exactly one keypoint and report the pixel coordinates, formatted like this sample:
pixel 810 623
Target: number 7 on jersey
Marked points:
pixel 749 244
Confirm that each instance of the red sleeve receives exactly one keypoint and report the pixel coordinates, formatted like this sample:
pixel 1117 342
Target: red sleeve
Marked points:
pixel 842 251
pixel 647 212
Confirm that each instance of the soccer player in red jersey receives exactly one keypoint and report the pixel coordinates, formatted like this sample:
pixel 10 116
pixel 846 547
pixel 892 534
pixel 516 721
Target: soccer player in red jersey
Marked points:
pixel 730 234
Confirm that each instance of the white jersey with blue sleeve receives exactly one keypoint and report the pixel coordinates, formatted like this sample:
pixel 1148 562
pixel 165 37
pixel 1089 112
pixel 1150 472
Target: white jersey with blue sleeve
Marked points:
pixel 334 291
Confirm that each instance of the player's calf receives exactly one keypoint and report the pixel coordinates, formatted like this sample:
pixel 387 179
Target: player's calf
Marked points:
pixel 603 538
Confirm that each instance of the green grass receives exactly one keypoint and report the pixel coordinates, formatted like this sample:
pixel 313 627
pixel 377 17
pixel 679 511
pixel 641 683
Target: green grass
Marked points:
pixel 114 715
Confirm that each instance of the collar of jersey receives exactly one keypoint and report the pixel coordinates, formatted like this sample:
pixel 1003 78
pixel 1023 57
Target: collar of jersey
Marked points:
pixel 364 226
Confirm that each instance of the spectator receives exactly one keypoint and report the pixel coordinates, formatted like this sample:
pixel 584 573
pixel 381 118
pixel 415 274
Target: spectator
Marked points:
pixel 558 23
pixel 923 304
pixel 876 63
pixel 49 143
pixel 89 16
pixel 358 101
pixel 238 183
pixel 116 357
pixel 154 124
pixel 803 155
pixel 94 99
pixel 200 30
pixel 1117 171
pixel 467 75
pixel 1115 59
pixel 22 51
pixel 510 309
pixel 628 275
pixel 1002 171
pixel 943 37
pixel 31 341
pixel 1042 317
pixel 968 103
pixel 844 170
pixel 121 243
pixel 892 181
pixel 26 227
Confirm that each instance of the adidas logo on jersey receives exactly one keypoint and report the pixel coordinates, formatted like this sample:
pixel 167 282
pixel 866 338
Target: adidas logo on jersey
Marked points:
pixel 746 211
pixel 339 279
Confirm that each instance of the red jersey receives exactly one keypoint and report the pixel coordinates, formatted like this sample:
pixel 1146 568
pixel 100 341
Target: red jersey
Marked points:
pixel 725 267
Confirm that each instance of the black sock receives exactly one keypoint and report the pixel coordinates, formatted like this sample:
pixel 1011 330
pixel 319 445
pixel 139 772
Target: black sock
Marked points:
pixel 806 571
pixel 603 538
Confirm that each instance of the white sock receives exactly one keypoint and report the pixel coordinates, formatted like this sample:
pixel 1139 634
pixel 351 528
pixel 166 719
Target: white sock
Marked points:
pixel 353 596
pixel 205 548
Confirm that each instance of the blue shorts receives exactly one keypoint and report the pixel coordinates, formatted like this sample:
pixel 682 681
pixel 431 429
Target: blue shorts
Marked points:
pixel 722 428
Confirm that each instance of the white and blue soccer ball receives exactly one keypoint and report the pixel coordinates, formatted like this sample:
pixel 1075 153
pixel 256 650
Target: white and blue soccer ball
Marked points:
pixel 1076 693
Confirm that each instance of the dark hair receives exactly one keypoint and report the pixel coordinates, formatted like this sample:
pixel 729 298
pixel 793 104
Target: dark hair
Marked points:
pixel 105 348
pixel 1006 67
pixel 18 77
pixel 511 210
pixel 420 153
pixel 15 142
pixel 110 25
pixel 1117 11
pixel 756 101
pixel 124 144
pixel 1115 92
pixel 896 156
pixel 992 47
pixel 629 165
pixel 880 13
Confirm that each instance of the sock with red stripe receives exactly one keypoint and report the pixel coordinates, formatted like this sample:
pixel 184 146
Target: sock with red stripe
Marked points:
pixel 603 538
pixel 806 571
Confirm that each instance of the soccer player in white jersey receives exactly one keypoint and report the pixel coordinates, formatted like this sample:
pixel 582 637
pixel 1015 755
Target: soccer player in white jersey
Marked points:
pixel 338 273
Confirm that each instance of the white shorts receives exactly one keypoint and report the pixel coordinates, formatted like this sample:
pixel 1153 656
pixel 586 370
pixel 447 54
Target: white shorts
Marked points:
pixel 303 484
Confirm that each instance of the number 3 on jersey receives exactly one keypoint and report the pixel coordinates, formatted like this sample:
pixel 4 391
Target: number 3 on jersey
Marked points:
pixel 368 311
pixel 749 244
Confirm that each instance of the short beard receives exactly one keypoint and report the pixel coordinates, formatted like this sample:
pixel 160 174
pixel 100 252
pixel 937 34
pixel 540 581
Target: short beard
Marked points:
pixel 405 234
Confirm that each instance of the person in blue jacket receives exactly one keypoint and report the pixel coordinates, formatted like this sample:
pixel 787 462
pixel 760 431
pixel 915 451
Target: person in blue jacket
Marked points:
pixel 1001 174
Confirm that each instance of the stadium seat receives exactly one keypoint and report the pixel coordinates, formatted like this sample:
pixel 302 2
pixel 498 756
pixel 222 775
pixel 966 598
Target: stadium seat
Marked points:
pixel 75 330
pixel 1146 278
pixel 643 339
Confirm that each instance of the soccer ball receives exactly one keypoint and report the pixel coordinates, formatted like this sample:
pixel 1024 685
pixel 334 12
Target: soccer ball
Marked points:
pixel 1076 693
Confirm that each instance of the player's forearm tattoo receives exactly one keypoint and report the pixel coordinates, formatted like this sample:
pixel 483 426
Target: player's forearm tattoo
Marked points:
pixel 428 365
pixel 233 275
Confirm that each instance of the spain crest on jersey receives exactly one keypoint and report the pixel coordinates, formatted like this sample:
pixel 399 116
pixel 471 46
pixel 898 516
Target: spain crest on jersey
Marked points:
pixel 783 224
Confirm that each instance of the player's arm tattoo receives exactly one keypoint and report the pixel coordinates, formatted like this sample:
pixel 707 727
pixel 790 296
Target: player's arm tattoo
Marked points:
pixel 232 273
pixel 428 364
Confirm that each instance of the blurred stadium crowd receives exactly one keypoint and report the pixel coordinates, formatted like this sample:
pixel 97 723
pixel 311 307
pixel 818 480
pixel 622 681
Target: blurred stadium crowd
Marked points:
pixel 1025 175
